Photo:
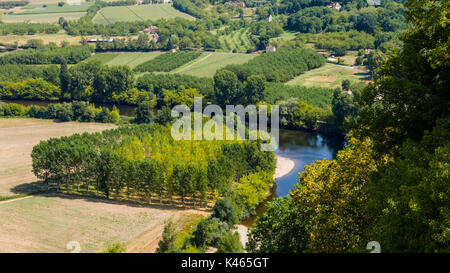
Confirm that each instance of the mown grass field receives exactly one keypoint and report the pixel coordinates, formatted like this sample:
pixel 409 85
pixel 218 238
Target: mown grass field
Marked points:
pixel 237 40
pixel 46 38
pixel 110 15
pixel 46 223
pixel 203 66
pixel 36 12
pixel 285 36
pixel 18 136
pixel 132 59
pixel 207 64
pixel 328 76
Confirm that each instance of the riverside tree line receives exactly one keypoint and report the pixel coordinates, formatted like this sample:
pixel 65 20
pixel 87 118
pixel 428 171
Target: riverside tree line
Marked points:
pixel 144 163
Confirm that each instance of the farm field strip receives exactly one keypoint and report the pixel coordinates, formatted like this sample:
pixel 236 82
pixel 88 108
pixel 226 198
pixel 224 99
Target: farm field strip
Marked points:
pixel 328 76
pixel 42 17
pixel 50 13
pixel 238 40
pixel 207 67
pixel 132 59
pixel 110 15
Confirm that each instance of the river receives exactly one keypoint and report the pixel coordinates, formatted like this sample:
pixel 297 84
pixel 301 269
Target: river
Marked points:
pixel 303 148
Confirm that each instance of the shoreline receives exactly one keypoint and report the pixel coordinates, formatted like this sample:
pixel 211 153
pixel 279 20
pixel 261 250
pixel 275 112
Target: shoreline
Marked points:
pixel 284 166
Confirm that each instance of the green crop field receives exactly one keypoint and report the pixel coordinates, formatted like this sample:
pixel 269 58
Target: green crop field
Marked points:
pixel 132 59
pixel 110 15
pixel 238 40
pixel 207 64
pixel 50 13
pixel 328 76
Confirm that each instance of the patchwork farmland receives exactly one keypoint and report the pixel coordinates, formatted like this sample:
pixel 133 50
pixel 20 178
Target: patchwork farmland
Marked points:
pixel 237 40
pixel 132 59
pixel 205 65
pixel 45 12
pixel 209 63
pixel 111 15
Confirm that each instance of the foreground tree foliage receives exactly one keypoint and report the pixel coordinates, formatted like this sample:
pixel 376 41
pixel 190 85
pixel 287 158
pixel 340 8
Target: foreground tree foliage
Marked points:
pixel 279 230
pixel 332 196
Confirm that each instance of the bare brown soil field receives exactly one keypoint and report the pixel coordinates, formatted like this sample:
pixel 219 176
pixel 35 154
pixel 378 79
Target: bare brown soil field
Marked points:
pixel 17 138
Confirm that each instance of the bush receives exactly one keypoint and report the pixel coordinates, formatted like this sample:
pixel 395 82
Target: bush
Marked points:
pixel 144 113
pixel 115 248
pixel 225 211
pixel 209 231
pixel 167 243
pixel 230 243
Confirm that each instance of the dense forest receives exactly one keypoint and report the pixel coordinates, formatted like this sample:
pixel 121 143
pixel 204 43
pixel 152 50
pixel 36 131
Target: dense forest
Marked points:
pixel 67 111
pixel 49 54
pixel 390 183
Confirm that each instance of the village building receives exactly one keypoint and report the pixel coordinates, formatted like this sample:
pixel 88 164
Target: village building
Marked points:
pixel 325 54
pixel 271 49
pixel 335 5
pixel 367 52
pixel 73 2
pixel 269 18
pixel 151 29
pixel 100 40
pixel 237 4
pixel 155 37
pixel 374 2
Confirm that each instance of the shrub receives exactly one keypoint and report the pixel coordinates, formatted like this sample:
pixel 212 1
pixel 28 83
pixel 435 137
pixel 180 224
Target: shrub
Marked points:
pixel 225 211
pixel 115 248
pixel 230 243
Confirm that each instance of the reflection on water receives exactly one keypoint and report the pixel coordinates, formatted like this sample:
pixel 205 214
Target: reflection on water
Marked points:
pixel 304 148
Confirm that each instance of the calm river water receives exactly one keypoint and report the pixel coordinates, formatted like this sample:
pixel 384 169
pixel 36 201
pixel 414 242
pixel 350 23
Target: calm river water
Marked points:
pixel 303 148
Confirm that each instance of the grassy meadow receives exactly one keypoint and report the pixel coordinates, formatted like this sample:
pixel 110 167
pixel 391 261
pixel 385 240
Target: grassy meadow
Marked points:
pixel 209 63
pixel 109 15
pixel 204 66
pixel 132 59
pixel 46 12
pixel 329 75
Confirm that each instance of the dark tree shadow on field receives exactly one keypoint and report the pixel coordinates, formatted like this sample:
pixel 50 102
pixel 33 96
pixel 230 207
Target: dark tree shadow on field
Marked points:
pixel 30 188
pixel 363 74
pixel 38 188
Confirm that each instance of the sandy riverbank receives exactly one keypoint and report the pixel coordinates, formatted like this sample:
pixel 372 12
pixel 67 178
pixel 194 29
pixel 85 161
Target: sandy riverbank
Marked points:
pixel 284 166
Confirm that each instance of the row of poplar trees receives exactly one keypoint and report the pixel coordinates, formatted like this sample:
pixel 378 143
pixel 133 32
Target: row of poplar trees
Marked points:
pixel 145 163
